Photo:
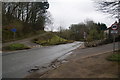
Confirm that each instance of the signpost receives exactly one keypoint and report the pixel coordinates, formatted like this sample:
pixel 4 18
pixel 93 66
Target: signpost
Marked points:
pixel 114 27
pixel 85 34
pixel 114 31
pixel 14 31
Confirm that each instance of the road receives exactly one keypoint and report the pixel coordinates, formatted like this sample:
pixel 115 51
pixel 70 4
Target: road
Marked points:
pixel 26 41
pixel 86 63
pixel 16 64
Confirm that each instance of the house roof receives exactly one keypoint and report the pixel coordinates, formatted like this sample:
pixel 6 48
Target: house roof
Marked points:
pixel 116 23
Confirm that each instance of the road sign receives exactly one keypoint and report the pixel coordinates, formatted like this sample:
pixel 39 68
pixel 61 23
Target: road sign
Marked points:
pixel 114 27
pixel 85 34
pixel 13 30
pixel 114 31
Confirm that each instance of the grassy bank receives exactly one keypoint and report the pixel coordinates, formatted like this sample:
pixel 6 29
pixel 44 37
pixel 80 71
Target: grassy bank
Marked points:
pixel 8 36
pixel 50 39
pixel 15 46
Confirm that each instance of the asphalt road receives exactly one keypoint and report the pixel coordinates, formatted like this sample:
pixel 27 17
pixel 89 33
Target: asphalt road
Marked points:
pixel 16 64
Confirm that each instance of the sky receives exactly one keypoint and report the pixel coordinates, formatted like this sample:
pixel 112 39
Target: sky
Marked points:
pixel 67 12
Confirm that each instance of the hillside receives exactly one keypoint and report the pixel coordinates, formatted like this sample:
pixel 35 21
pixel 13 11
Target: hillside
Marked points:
pixel 50 39
pixel 23 30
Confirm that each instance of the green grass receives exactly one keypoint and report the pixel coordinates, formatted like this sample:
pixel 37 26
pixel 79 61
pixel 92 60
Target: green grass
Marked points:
pixel 50 39
pixel 115 56
pixel 15 46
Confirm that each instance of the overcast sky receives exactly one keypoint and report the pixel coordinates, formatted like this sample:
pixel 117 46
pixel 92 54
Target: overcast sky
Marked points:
pixel 67 12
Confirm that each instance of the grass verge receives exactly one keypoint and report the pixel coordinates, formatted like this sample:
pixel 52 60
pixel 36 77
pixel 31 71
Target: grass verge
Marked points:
pixel 115 56
pixel 50 39
pixel 15 46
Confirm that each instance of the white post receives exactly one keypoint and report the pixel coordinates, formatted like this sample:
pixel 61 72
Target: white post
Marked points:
pixel 113 42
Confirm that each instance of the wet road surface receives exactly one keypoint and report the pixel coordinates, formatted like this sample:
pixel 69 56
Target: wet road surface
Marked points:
pixel 16 64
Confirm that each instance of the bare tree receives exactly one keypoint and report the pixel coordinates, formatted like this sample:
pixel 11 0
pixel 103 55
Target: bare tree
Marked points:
pixel 112 7
pixel 109 6
pixel 49 21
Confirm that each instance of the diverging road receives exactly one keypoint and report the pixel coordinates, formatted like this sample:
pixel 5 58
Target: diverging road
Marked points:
pixel 16 64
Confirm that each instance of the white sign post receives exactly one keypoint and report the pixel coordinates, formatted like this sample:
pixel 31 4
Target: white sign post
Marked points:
pixel 114 31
